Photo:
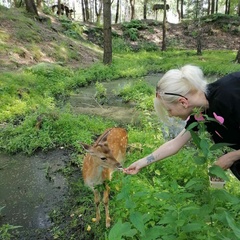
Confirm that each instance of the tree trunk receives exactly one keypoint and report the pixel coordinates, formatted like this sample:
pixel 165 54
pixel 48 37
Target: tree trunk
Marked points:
pixel 83 11
pixel 145 9
pixel 227 7
pixel 212 6
pixel 164 28
pixel 182 3
pixel 59 12
pixel 117 12
pixel 132 4
pixel 208 7
pixel 31 7
pixel 238 7
pixel 178 11
pixel 197 9
pixel 199 45
pixel 237 59
pixel 86 6
pixel 107 32
pixel 216 6
pixel 98 10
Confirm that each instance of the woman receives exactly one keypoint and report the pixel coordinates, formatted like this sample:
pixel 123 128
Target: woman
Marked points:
pixel 180 93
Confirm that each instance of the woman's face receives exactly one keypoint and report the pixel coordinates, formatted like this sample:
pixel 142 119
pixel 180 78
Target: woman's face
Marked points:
pixel 178 109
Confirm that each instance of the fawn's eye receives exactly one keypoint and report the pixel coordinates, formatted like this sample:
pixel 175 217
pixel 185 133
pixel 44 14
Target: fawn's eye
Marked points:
pixel 103 158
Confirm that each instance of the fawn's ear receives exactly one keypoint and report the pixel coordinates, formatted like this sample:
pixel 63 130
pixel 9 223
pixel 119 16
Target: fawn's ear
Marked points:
pixel 85 146
pixel 103 140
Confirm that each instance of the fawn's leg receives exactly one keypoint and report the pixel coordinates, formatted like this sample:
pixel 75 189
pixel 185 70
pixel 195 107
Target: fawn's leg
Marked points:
pixel 106 204
pixel 97 203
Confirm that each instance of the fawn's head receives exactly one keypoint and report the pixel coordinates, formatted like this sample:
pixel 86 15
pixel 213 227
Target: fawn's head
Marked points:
pixel 102 154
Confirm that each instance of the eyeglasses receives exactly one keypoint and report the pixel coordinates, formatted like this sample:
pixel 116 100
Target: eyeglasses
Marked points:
pixel 167 93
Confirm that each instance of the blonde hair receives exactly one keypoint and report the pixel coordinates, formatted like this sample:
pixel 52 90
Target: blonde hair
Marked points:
pixel 178 81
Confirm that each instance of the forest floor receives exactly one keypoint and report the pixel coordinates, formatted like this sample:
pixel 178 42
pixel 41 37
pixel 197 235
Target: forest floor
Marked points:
pixel 26 41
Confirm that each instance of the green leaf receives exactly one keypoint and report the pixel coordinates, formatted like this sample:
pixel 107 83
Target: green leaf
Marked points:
pixel 219 172
pixel 163 195
pixel 168 219
pixel 137 221
pixel 226 197
pixel 121 229
pixel 204 147
pixel 196 138
pixel 192 227
pixel 219 145
pixel 153 233
pixel 130 204
pixel 200 160
pixel 232 225
pixel 192 125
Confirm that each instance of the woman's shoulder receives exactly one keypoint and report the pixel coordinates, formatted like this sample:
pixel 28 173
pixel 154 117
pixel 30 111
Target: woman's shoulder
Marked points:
pixel 225 85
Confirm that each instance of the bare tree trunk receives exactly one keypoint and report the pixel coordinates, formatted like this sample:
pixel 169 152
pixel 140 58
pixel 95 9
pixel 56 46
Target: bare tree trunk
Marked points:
pixel 199 45
pixel 145 9
pixel 178 11
pixel 216 6
pixel 239 8
pixel 199 28
pixel 86 6
pixel 164 28
pixel 132 4
pixel 83 11
pixel 98 10
pixel 182 9
pixel 117 12
pixel 237 59
pixel 212 6
pixel 31 7
pixel 227 7
pixel 59 12
pixel 208 7
pixel 107 32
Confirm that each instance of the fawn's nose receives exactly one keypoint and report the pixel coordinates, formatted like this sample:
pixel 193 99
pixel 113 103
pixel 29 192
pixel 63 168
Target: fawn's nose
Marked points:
pixel 120 167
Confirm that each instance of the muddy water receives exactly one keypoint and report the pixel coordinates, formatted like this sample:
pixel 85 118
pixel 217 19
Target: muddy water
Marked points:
pixel 84 102
pixel 30 187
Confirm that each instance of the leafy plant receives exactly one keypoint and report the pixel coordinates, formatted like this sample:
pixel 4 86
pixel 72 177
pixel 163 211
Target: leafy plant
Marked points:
pixel 209 151
pixel 5 231
pixel 101 92
pixel 138 24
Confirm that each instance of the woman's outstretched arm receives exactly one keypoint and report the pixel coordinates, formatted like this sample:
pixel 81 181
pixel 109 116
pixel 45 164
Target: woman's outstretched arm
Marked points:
pixel 167 149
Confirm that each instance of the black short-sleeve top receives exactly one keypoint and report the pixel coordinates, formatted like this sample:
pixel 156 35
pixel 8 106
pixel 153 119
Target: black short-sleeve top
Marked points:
pixel 223 96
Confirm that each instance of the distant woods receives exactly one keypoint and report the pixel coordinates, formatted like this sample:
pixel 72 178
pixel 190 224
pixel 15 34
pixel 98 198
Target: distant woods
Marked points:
pixel 106 12
pixel 126 10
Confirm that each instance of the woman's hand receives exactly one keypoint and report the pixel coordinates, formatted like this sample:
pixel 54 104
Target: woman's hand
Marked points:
pixel 134 168
pixel 227 160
